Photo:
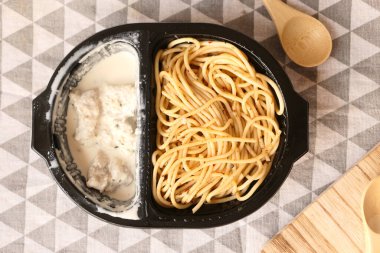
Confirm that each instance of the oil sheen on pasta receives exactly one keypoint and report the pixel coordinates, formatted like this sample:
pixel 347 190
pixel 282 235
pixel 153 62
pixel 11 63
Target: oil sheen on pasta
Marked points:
pixel 217 131
pixel 101 125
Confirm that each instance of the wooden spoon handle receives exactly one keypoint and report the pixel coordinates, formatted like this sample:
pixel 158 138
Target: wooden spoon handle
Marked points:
pixel 280 13
pixel 373 242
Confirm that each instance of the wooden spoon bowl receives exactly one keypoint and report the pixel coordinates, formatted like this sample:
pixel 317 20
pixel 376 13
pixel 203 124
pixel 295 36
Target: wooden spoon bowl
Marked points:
pixel 371 216
pixel 305 40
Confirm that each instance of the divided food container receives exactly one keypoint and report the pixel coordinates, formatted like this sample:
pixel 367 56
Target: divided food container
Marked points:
pixel 50 141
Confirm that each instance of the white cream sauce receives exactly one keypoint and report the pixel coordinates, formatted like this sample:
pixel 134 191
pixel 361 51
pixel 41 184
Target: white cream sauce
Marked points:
pixel 120 69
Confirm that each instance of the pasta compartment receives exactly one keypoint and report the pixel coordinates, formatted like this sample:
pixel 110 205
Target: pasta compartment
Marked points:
pixel 209 212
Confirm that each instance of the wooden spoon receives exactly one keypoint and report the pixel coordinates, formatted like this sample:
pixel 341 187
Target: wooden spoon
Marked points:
pixel 305 40
pixel 371 216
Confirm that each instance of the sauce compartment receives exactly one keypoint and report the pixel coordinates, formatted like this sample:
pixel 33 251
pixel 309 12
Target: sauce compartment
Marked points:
pixel 50 141
pixel 101 66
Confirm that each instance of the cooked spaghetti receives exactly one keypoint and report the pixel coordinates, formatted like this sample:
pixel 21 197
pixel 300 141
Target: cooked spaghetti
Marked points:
pixel 217 131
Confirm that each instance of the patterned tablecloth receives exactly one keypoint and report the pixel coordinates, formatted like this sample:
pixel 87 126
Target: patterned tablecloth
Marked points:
pixel 344 97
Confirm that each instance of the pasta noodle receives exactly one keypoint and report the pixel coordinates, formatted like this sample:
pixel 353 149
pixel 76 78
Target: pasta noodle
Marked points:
pixel 217 131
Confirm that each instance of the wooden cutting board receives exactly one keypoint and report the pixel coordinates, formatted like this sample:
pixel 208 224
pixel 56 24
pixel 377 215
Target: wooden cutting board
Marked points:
pixel 332 223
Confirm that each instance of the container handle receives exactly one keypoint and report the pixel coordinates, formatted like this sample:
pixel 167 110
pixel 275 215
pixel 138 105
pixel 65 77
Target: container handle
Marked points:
pixel 41 130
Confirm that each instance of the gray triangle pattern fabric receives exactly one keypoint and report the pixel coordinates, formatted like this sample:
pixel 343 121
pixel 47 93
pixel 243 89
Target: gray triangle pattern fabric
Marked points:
pixel 205 6
pixel 54 22
pixel 369 28
pixel 302 172
pixel 344 117
pixel 273 45
pixel 337 120
pixel 296 206
pixel 15 217
pixel 232 240
pixel 21 75
pixel 182 17
pixel 13 146
pixel 275 199
pixel 310 73
pixel 239 24
pixel 208 247
pixel 173 239
pixel 374 102
pixel 22 116
pixel 108 235
pixel 343 43
pixel 263 11
pixel 142 246
pixel 19 38
pixel 20 6
pixel 312 3
pixel 365 67
pixel 336 156
pixel 16 182
pixel 82 35
pixel 321 189
pixel 148 8
pixel 338 84
pixel 249 3
pixel 52 56
pixel 367 139
pixel 209 231
pixel 77 246
pixel 46 199
pixel 117 18
pixel 267 224
pixel 16 246
pixel 76 218
pixel 85 7
pixel 40 165
pixel 42 235
pixel 338 13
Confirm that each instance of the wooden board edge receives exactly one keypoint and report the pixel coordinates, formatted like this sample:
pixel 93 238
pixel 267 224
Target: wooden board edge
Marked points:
pixel 375 149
